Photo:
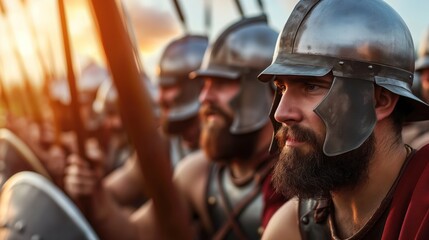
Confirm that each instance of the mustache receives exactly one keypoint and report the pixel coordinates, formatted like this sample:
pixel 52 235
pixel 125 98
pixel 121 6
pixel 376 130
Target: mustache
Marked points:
pixel 209 109
pixel 295 132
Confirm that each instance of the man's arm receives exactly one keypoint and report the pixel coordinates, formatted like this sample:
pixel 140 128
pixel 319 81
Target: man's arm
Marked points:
pixel 190 177
pixel 83 182
pixel 285 223
pixel 108 219
pixel 125 184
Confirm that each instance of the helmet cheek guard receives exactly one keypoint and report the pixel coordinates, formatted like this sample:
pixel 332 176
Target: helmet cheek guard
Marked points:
pixel 241 52
pixel 186 103
pixel 276 125
pixel 180 57
pixel 349 115
pixel 251 105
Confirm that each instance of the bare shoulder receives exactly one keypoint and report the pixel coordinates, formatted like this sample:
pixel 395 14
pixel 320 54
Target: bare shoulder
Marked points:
pixel 192 167
pixel 191 176
pixel 420 141
pixel 284 223
pixel 128 174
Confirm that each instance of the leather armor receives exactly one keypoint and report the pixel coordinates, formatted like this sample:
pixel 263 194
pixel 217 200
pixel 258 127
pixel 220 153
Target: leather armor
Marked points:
pixel 236 208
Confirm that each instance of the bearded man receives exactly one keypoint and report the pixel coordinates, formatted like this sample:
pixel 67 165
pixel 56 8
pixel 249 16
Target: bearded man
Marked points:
pixel 417 134
pixel 343 93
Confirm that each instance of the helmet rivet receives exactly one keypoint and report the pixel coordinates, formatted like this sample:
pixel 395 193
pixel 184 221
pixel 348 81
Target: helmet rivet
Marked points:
pixel 305 220
pixel 411 76
pixel 212 200
pixel 341 62
pixel 370 67
pixel 19 226
pixel 35 237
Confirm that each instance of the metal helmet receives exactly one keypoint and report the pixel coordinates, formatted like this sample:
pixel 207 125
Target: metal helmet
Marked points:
pixel 88 82
pixel 181 57
pixel 106 99
pixel 32 207
pixel 91 77
pixel 241 52
pixel 423 53
pixel 361 43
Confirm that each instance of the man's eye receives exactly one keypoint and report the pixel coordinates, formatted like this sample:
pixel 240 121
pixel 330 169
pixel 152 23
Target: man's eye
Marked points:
pixel 311 87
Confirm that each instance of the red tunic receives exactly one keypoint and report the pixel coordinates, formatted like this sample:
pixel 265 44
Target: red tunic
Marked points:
pixel 402 215
pixel 272 200
pixel 408 217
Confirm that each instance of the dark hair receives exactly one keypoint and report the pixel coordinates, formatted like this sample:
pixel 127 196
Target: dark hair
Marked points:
pixel 402 109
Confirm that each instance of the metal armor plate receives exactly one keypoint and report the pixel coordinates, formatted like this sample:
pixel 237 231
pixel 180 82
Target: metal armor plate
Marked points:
pixel 32 207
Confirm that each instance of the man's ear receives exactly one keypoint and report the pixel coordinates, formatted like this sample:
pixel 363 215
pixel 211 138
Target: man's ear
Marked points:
pixel 385 102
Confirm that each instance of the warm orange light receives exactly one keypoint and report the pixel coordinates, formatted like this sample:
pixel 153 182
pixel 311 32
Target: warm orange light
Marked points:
pixel 83 30
pixel 40 43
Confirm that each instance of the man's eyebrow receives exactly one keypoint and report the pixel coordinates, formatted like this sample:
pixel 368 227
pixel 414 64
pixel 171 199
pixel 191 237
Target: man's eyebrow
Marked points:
pixel 308 79
pixel 327 81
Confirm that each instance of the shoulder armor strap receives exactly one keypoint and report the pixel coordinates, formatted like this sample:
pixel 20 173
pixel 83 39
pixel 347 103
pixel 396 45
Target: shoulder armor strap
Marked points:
pixel 313 219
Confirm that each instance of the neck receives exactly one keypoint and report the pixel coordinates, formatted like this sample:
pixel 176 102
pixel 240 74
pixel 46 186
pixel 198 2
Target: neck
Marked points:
pixel 425 95
pixel 354 207
pixel 243 168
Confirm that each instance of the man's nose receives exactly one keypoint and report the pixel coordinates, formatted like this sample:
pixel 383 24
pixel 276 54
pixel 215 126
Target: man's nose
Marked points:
pixel 206 94
pixel 288 111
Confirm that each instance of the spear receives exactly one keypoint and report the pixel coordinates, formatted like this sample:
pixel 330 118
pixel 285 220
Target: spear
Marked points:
pixel 132 36
pixel 71 79
pixel 48 75
pixel 180 14
pixel 240 9
pixel 208 16
pixel 32 28
pixel 4 97
pixel 140 125
pixel 261 6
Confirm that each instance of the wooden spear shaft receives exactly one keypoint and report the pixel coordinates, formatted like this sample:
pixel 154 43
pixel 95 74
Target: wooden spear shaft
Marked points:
pixel 139 121
pixel 74 102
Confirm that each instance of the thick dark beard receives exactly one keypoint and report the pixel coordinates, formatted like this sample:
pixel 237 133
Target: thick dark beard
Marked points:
pixel 219 144
pixel 313 174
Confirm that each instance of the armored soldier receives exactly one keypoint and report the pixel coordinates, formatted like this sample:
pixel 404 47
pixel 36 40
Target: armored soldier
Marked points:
pixel 111 132
pixel 176 105
pixel 343 92
pixel 422 66
pixel 417 134
pixel 235 130
pixel 91 77
pixel 178 95
pixel 225 188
